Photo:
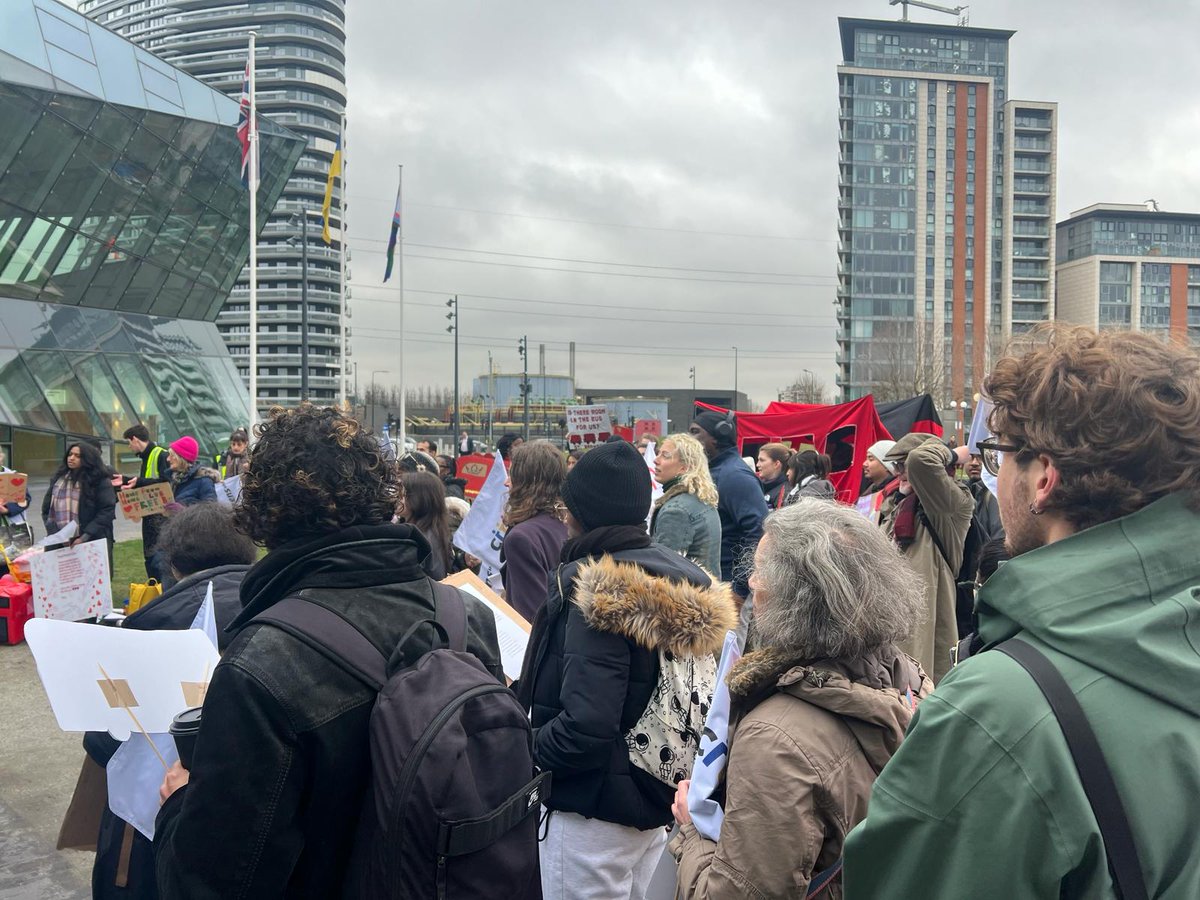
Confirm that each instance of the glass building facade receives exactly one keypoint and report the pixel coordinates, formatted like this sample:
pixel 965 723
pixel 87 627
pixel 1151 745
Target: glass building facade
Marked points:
pixel 122 230
pixel 1130 266
pixel 921 193
pixel 301 84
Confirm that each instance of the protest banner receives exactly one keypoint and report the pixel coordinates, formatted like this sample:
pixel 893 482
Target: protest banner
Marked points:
pixel 481 533
pixel 13 486
pixel 229 491
pixel 151 500
pixel 587 425
pixel 99 678
pixel 512 631
pixel 707 814
pixel 474 468
pixel 72 583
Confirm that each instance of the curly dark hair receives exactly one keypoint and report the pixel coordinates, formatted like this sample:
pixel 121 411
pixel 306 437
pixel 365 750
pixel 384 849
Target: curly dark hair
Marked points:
pixel 314 471
pixel 1118 413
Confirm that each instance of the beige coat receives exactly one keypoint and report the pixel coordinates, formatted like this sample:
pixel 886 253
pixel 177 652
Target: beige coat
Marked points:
pixel 806 745
pixel 947 506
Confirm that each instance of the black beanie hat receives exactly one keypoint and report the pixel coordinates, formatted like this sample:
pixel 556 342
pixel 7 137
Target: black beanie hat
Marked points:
pixel 709 420
pixel 610 485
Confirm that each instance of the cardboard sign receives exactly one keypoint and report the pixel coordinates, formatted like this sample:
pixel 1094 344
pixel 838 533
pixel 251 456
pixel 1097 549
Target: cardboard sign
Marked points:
pixel 78 663
pixel 13 486
pixel 151 500
pixel 588 425
pixel 73 583
pixel 512 631
pixel 648 426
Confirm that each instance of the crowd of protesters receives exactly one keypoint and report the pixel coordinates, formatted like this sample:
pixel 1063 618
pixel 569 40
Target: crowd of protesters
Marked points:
pixel 889 730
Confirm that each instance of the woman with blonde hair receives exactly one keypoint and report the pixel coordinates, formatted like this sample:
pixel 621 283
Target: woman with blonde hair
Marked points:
pixel 685 517
pixel 535 532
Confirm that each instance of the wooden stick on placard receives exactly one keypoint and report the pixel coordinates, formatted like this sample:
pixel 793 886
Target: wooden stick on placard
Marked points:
pixel 125 706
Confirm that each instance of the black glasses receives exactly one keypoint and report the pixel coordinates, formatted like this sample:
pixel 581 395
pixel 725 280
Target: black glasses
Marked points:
pixel 991 453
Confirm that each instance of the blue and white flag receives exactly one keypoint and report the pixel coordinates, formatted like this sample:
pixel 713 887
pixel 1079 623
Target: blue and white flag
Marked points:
pixel 706 813
pixel 206 617
pixel 134 776
pixel 481 533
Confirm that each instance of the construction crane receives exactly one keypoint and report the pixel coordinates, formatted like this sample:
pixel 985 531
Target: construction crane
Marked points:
pixel 957 11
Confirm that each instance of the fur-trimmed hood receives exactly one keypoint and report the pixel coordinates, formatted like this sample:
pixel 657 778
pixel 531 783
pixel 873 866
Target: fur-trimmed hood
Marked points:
pixel 654 611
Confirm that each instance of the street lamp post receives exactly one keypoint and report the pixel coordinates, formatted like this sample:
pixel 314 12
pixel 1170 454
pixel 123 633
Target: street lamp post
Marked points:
pixel 453 328
pixel 735 379
pixel 374 398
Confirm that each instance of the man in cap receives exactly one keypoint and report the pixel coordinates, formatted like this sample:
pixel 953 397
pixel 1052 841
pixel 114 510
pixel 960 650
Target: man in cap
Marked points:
pixel 740 502
pixel 928 517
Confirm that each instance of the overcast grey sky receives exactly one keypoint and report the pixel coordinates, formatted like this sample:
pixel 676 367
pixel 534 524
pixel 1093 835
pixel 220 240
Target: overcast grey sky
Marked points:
pixel 695 144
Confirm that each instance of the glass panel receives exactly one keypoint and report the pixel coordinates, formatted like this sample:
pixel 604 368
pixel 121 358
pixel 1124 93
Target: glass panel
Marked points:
pixel 61 390
pixel 21 402
pixel 35 169
pixel 71 327
pixel 26 325
pixel 103 392
pixel 75 71
pixel 73 270
pixel 131 375
pixel 21 112
pixel 175 379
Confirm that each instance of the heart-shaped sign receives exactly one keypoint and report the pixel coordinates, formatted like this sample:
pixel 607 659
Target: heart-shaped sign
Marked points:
pixel 128 508
pixel 16 482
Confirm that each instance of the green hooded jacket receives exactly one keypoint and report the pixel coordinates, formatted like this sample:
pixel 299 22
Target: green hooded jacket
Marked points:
pixel 982 800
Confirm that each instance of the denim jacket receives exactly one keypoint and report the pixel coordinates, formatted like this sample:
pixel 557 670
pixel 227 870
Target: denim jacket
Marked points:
pixel 685 524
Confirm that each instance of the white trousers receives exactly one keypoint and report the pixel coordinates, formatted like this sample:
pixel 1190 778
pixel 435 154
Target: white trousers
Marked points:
pixel 587 859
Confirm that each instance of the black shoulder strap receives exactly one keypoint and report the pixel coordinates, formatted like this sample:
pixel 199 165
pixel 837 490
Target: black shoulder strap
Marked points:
pixel 937 541
pixel 451 613
pixel 330 635
pixel 1094 773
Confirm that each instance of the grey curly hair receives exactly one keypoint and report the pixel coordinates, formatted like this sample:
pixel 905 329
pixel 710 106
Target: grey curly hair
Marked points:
pixel 832 585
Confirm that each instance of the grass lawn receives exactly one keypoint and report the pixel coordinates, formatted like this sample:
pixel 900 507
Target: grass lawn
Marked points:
pixel 128 566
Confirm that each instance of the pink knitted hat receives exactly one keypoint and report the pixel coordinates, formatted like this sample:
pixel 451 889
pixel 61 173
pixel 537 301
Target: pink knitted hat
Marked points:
pixel 187 447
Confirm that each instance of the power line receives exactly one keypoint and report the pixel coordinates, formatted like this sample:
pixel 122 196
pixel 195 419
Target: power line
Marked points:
pixel 603 262
pixel 574 315
pixel 635 309
pixel 492 212
pixel 487 262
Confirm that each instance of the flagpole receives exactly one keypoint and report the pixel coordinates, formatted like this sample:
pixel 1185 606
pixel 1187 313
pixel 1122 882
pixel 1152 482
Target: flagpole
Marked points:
pixel 252 131
pixel 400 282
pixel 345 256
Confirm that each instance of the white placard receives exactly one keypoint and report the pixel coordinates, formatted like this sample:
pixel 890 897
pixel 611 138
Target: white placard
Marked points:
pixel 589 422
pixel 482 530
pixel 134 775
pixel 512 631
pixel 72 583
pixel 229 491
pixel 159 670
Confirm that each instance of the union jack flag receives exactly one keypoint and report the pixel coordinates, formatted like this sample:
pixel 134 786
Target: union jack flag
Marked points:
pixel 243 127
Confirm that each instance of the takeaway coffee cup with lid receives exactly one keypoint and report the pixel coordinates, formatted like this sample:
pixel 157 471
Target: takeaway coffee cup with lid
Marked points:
pixel 184 729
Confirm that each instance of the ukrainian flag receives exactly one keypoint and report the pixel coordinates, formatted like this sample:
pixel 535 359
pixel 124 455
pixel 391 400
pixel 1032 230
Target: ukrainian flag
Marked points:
pixel 335 169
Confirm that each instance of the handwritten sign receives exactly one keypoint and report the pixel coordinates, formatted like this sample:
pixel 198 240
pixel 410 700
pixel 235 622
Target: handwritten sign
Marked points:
pixel 13 486
pixel 588 424
pixel 72 583
pixel 151 500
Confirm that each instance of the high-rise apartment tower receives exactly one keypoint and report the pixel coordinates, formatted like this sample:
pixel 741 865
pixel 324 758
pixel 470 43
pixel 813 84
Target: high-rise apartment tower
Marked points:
pixel 302 85
pixel 928 204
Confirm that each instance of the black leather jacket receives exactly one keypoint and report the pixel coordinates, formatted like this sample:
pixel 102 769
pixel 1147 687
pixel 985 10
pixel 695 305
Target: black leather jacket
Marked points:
pixel 282 761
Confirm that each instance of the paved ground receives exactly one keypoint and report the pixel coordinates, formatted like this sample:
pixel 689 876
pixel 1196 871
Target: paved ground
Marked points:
pixel 38 768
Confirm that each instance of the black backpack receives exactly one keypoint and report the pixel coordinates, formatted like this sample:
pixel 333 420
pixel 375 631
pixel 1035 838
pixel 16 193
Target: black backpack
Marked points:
pixel 452 805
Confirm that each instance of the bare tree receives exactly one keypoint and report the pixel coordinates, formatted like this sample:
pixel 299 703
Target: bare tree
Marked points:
pixel 903 362
pixel 807 388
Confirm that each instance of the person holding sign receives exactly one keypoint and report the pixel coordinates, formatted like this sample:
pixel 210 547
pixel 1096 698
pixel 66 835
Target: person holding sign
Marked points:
pixel 14 511
pixel 155 469
pixel 817 708
pixel 81 491
pixel 193 482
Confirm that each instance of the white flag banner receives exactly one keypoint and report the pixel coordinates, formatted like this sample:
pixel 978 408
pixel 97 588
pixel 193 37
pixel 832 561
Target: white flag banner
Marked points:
pixel 981 432
pixel 481 533
pixel 656 490
pixel 206 617
pixel 134 776
pixel 706 813
pixel 229 491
